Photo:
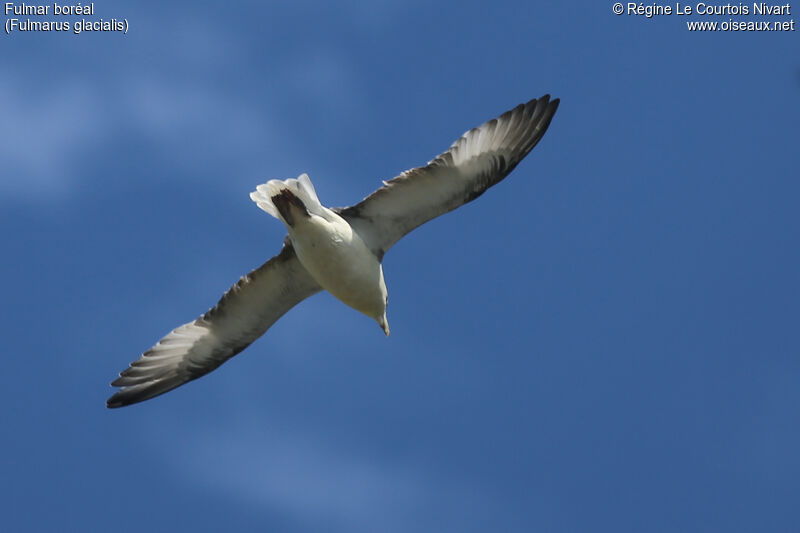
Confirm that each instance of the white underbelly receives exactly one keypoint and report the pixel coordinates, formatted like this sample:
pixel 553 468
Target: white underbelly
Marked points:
pixel 342 264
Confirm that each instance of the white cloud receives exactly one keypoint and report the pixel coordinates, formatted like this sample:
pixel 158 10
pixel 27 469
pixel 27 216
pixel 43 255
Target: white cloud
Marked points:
pixel 60 127
pixel 168 99
pixel 45 131
pixel 319 484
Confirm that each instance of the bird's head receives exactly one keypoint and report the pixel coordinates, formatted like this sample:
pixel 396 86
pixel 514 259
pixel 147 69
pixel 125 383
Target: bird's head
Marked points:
pixel 384 323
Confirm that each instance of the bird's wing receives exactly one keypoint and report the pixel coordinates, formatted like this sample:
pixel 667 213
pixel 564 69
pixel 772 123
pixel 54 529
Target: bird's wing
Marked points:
pixel 242 315
pixel 480 158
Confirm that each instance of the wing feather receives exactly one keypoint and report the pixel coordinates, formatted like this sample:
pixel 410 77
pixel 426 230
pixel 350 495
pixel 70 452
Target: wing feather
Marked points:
pixel 480 158
pixel 242 315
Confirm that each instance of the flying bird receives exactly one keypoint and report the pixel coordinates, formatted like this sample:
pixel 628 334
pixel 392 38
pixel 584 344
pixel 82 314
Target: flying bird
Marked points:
pixel 340 250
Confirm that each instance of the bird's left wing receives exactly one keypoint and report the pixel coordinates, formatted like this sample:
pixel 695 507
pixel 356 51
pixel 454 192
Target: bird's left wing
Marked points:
pixel 479 159
pixel 243 314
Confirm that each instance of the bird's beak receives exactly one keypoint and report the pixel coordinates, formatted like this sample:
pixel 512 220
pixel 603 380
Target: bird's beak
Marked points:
pixel 384 324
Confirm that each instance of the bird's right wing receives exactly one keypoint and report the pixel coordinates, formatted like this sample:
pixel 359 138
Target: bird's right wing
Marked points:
pixel 482 157
pixel 243 314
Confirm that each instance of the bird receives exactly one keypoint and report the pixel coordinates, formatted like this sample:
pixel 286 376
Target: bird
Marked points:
pixel 340 250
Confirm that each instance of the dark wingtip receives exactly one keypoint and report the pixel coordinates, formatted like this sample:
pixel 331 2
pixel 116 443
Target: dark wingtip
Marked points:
pixel 547 101
pixel 132 395
pixel 139 392
pixel 114 402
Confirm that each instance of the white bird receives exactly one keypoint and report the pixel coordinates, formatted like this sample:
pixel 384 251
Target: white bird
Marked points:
pixel 339 250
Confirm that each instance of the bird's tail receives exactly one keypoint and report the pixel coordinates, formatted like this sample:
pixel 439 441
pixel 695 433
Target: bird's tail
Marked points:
pixel 275 196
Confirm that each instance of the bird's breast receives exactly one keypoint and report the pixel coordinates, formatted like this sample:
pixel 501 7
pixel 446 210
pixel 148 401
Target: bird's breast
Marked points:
pixel 341 263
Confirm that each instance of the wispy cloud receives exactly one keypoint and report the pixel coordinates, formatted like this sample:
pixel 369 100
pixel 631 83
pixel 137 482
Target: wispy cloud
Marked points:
pixel 167 100
pixel 46 131
pixel 64 126
pixel 319 484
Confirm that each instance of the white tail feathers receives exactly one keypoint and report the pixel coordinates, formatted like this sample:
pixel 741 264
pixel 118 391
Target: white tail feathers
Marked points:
pixel 301 187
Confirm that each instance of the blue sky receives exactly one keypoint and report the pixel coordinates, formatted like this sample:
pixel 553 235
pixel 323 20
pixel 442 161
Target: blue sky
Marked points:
pixel 606 341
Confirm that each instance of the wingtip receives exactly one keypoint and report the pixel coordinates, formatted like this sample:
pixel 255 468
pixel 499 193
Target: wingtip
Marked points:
pixel 547 99
pixel 138 393
pixel 114 402
pixel 546 107
pixel 120 398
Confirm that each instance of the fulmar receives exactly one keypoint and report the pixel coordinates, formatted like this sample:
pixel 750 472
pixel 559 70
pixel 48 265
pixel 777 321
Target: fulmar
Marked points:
pixel 340 250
